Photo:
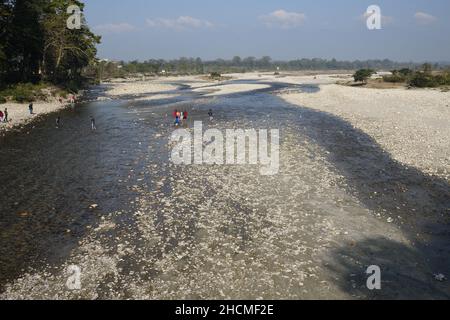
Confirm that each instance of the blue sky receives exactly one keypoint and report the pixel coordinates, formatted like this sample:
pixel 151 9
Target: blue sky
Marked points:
pixel 412 30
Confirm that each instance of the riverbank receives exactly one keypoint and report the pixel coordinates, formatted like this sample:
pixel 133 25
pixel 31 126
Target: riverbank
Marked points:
pixel 412 125
pixel 19 114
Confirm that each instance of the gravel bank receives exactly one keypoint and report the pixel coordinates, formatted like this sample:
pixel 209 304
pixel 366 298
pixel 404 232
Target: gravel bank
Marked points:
pixel 412 125
pixel 117 89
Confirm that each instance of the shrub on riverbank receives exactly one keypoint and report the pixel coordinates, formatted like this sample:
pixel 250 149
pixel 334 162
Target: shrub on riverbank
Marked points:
pixel 424 78
pixel 399 76
pixel 428 80
pixel 28 92
pixel 22 92
pixel 363 75
pixel 394 79
pixel 215 75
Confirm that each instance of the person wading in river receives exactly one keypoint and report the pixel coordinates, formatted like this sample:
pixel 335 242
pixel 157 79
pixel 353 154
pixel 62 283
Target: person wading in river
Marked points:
pixel 185 117
pixel 210 113
pixel 58 122
pixel 175 115
pixel 93 127
pixel 180 117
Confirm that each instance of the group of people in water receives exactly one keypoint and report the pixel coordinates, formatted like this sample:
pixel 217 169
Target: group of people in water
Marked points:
pixel 181 117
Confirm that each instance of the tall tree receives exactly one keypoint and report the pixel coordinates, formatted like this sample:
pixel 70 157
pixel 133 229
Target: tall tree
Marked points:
pixel 5 16
pixel 66 51
pixel 25 40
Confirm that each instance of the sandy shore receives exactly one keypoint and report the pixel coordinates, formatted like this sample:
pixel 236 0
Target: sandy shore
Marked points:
pixel 219 90
pixel 412 125
pixel 117 89
pixel 18 113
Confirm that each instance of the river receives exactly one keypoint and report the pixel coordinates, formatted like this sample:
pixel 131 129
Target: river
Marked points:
pixel 138 226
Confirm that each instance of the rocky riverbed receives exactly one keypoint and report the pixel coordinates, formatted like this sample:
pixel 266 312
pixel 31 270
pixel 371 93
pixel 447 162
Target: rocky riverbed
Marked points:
pixel 137 226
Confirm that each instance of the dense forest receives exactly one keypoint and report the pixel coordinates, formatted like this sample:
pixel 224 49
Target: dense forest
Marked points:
pixel 37 45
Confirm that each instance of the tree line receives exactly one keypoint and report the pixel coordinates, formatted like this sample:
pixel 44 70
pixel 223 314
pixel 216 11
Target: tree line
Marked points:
pixel 36 44
pixel 238 64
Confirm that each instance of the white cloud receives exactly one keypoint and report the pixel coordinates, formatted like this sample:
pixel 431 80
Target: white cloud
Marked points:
pixel 180 23
pixel 424 18
pixel 115 28
pixel 283 19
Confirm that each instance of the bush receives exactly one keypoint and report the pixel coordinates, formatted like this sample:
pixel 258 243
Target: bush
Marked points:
pixel 23 92
pixel 363 74
pixel 215 75
pixel 406 72
pixel 399 76
pixel 424 80
pixel 396 78
pixel 446 78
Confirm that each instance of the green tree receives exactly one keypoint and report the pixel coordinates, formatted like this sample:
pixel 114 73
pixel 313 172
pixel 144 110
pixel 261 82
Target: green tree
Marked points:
pixel 363 75
pixel 24 46
pixel 66 52
pixel 5 16
pixel 36 42
pixel 236 61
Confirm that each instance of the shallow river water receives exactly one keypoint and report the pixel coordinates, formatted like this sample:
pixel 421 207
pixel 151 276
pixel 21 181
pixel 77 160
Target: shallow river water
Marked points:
pixel 160 231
